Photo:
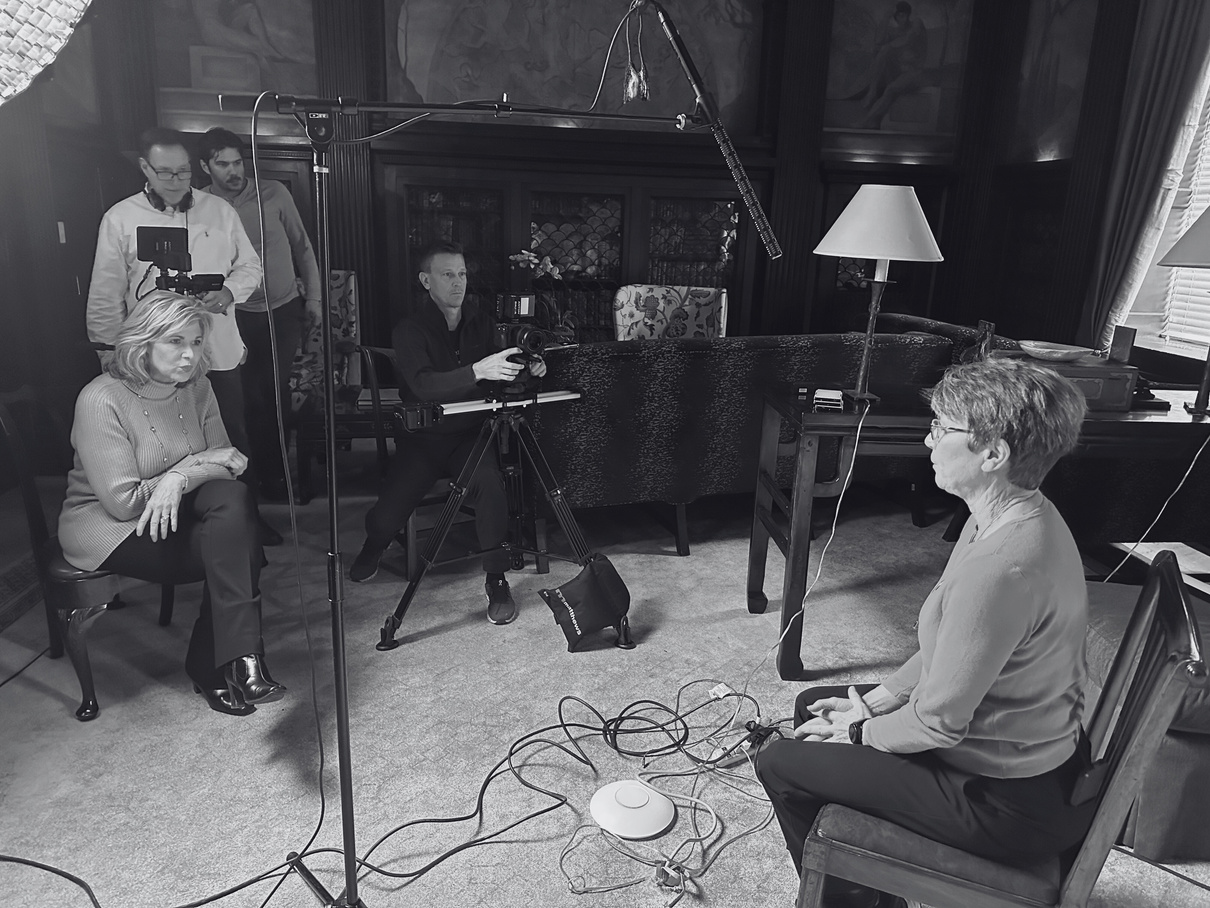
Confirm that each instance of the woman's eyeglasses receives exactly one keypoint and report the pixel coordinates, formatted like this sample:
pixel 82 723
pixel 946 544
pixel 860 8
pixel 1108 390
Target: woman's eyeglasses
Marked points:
pixel 938 431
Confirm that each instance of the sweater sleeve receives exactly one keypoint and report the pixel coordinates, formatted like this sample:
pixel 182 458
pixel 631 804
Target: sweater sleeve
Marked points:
pixel 215 433
pixel 904 679
pixel 212 421
pixel 300 247
pixel 983 620
pixel 107 456
pixel 245 273
pixel 415 365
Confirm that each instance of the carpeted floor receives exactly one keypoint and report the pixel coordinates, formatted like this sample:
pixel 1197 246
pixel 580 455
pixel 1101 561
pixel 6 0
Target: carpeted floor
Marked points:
pixel 162 802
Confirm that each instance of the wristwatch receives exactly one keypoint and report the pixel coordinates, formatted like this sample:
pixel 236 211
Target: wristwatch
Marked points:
pixel 855 731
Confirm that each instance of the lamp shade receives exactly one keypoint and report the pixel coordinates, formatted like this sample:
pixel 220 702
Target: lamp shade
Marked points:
pixel 1192 250
pixel 882 222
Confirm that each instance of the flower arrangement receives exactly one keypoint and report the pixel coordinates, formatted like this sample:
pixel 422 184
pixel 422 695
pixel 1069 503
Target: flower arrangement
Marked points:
pixel 527 259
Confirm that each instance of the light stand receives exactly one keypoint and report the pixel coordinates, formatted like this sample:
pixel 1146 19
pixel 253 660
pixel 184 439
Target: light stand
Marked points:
pixel 881 223
pixel 316 116
pixel 317 121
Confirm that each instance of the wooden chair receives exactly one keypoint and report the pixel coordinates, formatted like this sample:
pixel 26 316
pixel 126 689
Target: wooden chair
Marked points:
pixel 73 598
pixel 1160 656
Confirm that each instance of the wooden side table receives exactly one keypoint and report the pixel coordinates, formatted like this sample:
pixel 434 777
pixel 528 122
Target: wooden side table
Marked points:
pixel 896 427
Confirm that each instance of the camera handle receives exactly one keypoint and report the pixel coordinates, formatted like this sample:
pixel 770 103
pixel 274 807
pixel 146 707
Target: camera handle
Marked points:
pixel 508 420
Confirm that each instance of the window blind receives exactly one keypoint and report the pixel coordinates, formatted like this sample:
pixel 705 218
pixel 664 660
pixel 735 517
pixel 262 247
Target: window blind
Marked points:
pixel 1187 306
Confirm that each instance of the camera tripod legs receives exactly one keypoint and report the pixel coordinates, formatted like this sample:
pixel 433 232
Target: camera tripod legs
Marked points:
pixel 504 421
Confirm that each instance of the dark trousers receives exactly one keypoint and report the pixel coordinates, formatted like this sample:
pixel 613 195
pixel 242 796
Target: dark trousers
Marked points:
pixel 229 393
pixel 261 392
pixel 419 462
pixel 1010 820
pixel 215 541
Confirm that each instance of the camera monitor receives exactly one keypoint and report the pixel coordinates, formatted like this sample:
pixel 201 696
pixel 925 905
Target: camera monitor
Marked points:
pixel 166 247
pixel 512 306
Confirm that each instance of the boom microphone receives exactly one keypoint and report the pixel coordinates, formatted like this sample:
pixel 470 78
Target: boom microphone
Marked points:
pixel 705 105
pixel 286 104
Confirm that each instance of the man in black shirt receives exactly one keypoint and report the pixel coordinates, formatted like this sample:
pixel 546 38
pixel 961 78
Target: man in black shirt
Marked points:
pixel 442 353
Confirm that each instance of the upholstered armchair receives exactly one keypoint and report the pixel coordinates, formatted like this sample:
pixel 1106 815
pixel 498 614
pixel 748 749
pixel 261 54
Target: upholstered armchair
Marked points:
pixel 306 375
pixel 307 379
pixel 645 312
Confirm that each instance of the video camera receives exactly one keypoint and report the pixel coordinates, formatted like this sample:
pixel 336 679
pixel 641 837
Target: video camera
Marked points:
pixel 168 249
pixel 513 331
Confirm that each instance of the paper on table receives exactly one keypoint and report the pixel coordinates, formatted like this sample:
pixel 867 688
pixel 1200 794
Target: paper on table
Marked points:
pixel 1190 559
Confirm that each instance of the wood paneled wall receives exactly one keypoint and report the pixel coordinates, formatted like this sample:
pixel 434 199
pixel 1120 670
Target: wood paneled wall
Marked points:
pixel 1017 239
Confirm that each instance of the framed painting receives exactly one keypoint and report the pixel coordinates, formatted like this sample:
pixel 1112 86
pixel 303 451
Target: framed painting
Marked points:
pixel 205 47
pixel 551 53
pixel 895 73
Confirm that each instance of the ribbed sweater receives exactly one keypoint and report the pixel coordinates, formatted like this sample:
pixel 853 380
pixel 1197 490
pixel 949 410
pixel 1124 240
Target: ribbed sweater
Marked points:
pixel 124 444
pixel 997 688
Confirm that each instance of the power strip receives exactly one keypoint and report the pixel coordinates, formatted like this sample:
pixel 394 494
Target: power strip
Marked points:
pixel 751 745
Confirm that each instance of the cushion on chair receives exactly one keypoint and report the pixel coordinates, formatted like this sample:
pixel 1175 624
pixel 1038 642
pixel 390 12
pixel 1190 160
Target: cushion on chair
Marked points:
pixel 646 312
pixel 845 829
pixel 59 568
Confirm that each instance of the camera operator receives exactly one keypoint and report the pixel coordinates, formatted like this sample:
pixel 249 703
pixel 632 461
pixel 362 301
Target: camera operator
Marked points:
pixel 443 353
pixel 218 244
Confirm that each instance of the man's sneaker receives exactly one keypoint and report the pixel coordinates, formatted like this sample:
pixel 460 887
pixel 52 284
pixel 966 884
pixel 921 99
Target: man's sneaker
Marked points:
pixel 500 606
pixel 365 565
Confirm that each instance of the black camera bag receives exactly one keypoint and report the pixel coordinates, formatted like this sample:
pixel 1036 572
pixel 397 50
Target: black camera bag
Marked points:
pixel 592 600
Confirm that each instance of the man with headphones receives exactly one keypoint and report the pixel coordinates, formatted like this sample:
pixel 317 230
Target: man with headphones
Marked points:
pixel 218 244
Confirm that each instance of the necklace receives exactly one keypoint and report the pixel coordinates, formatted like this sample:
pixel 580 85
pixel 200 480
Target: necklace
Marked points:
pixel 147 413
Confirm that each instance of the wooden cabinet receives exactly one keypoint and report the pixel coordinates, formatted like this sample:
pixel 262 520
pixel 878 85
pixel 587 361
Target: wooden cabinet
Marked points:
pixel 593 232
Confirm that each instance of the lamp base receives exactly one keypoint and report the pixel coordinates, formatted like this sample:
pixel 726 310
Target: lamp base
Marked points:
pixel 1191 408
pixel 855 397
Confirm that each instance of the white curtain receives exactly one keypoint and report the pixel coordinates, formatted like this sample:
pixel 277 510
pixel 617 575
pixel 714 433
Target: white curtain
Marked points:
pixel 1145 252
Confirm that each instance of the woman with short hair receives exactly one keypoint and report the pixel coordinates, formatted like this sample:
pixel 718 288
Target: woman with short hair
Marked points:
pixel 152 494
pixel 973 742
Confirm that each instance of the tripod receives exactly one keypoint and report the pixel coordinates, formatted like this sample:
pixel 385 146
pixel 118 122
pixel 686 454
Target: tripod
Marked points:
pixel 508 422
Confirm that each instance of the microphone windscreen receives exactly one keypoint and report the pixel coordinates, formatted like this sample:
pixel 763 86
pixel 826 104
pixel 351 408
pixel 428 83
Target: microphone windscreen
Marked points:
pixel 763 228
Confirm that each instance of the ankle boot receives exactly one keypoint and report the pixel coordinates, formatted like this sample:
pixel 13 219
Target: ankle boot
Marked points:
pixel 247 674
pixel 229 700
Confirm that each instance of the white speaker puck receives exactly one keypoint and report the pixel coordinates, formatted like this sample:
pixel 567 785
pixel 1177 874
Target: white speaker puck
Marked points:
pixel 631 810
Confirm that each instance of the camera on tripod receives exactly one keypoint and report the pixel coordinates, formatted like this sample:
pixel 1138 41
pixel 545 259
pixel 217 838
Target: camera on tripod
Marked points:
pixel 168 249
pixel 513 310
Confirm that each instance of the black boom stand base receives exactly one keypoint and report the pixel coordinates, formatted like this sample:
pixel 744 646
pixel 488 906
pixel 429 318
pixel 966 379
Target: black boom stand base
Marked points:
pixel 321 893
pixel 508 420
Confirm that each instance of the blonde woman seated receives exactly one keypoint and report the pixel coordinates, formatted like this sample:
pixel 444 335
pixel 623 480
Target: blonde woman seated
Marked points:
pixel 153 494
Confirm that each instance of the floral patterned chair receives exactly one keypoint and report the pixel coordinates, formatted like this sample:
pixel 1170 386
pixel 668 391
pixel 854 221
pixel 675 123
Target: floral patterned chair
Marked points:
pixel 645 312
pixel 306 376
pixel 306 373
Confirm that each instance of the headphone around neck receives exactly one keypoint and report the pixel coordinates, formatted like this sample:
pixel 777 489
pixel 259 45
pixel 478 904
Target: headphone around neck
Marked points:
pixel 158 203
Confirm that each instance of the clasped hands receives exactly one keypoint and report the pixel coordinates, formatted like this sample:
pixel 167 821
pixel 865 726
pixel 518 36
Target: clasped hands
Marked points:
pixel 159 516
pixel 832 717
pixel 498 366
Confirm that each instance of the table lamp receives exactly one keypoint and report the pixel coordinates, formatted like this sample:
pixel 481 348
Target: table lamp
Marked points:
pixel 1192 250
pixel 881 223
